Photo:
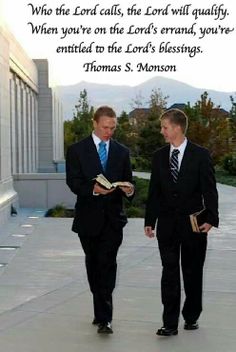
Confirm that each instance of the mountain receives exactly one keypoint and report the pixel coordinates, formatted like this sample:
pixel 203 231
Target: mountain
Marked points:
pixel 121 97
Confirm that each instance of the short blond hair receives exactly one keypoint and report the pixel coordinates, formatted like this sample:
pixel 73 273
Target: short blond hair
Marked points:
pixel 103 111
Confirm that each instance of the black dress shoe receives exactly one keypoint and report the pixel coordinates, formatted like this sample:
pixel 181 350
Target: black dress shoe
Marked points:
pixel 95 321
pixel 191 326
pixel 167 331
pixel 105 328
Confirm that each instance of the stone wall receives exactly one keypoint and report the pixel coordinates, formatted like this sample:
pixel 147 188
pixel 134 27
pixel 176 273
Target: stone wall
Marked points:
pixel 31 123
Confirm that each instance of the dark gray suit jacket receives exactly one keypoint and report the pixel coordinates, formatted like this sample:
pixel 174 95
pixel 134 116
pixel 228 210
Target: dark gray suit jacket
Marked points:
pixel 196 186
pixel 82 166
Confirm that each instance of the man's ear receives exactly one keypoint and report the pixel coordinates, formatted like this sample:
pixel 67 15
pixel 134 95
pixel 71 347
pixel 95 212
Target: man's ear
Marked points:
pixel 179 128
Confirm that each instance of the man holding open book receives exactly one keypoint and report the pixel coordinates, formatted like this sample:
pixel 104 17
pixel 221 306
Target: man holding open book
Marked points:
pixel 183 197
pixel 98 171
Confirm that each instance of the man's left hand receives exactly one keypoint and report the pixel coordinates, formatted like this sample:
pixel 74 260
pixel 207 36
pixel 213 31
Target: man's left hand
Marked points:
pixel 128 190
pixel 205 227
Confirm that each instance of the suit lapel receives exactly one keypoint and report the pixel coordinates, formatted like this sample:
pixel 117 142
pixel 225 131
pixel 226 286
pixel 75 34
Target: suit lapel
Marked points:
pixel 186 161
pixel 166 163
pixel 93 157
pixel 112 158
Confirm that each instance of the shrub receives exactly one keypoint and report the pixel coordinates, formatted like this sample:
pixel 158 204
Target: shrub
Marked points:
pixel 135 212
pixel 229 163
pixel 134 209
pixel 140 163
pixel 57 212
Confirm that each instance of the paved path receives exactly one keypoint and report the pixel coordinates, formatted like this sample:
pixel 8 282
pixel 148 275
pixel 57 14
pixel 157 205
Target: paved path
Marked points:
pixel 45 303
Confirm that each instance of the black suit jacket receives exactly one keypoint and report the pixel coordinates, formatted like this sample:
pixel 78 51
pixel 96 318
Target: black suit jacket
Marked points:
pixel 195 188
pixel 82 166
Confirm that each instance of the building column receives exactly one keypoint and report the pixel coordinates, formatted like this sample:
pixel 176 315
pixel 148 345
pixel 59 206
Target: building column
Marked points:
pixel 33 132
pixel 24 127
pixel 45 120
pixel 7 193
pixel 28 130
pixel 19 148
pixel 13 122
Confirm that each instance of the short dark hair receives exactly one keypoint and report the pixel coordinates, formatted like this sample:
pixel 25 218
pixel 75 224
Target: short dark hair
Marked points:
pixel 103 111
pixel 177 117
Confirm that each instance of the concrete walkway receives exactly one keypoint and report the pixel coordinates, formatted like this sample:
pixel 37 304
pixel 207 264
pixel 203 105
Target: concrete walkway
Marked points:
pixel 45 303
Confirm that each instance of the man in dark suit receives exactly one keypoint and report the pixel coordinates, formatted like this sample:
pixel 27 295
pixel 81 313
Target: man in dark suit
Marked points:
pixel 182 183
pixel 99 217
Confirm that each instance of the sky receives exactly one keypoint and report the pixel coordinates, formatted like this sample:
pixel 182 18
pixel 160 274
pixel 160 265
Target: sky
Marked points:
pixel 212 69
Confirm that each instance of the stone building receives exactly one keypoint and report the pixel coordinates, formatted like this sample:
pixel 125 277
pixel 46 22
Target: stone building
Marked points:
pixel 31 121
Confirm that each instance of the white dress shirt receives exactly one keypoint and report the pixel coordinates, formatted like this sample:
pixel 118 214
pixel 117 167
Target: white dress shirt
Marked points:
pixel 181 149
pixel 97 140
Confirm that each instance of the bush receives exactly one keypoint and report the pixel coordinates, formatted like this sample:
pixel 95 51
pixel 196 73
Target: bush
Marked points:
pixel 60 211
pixel 136 208
pixel 140 163
pixel 223 177
pixel 135 212
pixel 229 163
pixel 57 212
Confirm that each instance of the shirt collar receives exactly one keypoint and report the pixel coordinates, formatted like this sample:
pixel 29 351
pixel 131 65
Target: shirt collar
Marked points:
pixel 97 140
pixel 181 147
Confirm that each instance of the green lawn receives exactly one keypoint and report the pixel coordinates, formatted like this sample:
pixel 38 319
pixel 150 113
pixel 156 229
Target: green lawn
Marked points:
pixel 224 178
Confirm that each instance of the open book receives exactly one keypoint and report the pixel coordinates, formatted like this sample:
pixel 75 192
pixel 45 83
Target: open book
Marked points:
pixel 103 181
pixel 197 219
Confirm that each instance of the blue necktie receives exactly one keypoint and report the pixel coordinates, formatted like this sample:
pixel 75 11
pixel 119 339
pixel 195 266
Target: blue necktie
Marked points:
pixel 102 152
pixel 174 165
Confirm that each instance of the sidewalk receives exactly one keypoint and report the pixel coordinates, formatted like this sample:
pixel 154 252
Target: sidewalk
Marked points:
pixel 45 303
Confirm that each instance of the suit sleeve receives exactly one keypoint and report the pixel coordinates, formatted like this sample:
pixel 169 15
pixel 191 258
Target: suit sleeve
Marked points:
pixel 153 194
pixel 74 175
pixel 209 190
pixel 128 169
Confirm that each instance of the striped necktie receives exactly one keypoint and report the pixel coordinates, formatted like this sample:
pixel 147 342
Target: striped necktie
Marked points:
pixel 102 152
pixel 174 165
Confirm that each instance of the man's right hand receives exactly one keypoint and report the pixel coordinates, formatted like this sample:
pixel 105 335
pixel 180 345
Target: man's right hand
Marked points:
pixel 97 189
pixel 149 232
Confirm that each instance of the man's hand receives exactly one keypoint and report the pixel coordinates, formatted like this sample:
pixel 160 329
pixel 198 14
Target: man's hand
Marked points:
pixel 205 227
pixel 149 232
pixel 128 190
pixel 97 189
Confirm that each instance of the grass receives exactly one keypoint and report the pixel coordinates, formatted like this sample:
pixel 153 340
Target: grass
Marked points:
pixel 223 177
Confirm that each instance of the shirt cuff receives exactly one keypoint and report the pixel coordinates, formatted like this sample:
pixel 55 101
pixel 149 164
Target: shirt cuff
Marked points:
pixel 130 194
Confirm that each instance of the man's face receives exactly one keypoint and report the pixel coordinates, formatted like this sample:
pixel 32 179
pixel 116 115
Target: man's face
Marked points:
pixel 170 131
pixel 105 127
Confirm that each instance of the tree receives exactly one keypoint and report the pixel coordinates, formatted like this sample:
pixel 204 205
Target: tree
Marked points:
pixel 137 102
pixel 209 127
pixel 125 133
pixel 83 117
pixel 81 124
pixel 149 136
pixel 232 122
pixel 233 108
pixel 157 103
